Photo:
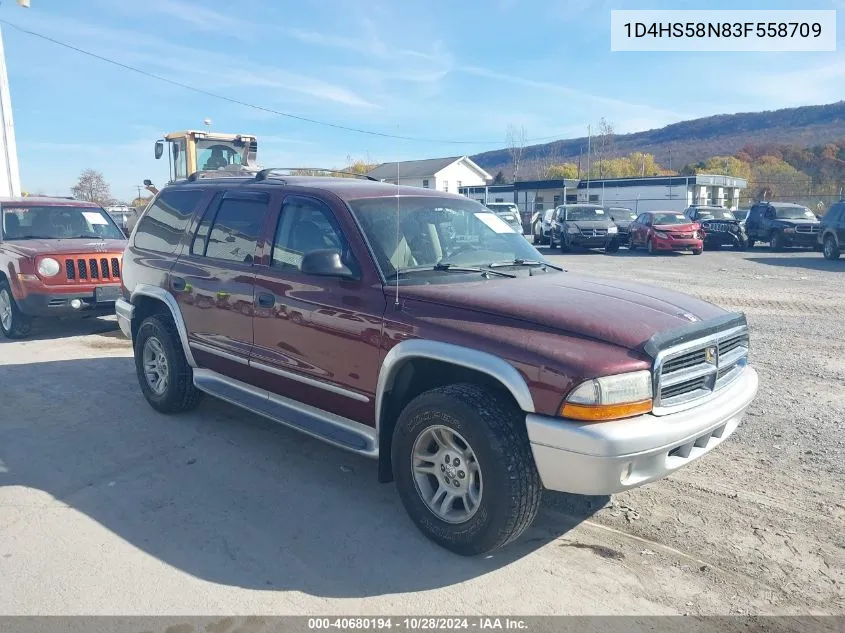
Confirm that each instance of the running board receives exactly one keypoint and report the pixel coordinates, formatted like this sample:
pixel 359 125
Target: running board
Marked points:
pixel 333 429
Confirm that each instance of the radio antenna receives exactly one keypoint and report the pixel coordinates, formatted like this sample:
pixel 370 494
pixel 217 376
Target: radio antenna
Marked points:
pixel 398 233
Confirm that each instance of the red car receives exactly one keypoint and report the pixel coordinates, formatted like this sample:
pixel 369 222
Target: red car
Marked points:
pixel 666 231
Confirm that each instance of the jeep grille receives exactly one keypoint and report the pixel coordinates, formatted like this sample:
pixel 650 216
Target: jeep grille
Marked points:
pixel 104 269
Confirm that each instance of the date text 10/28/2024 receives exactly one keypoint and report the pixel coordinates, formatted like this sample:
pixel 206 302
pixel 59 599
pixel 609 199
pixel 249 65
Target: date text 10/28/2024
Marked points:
pixel 416 624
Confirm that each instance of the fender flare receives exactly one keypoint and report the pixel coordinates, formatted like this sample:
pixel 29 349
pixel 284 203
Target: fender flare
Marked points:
pixel 160 294
pixel 485 363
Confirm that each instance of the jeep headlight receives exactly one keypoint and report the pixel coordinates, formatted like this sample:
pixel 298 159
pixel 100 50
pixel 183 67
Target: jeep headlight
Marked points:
pixel 610 397
pixel 48 267
pixel 613 229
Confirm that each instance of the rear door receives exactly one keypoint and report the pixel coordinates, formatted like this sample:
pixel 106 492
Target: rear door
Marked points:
pixel 214 282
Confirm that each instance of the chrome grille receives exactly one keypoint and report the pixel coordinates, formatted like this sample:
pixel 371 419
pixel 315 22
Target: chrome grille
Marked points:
pixel 697 369
pixel 807 228
pixel 593 232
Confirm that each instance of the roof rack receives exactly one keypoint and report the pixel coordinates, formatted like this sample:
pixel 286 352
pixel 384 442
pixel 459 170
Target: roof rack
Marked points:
pixel 221 173
pixel 272 172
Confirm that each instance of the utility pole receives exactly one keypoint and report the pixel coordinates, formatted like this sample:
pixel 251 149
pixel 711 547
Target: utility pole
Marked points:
pixel 10 177
pixel 670 173
pixel 589 138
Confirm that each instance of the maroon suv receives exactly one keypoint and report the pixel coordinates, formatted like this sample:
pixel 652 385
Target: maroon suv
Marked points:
pixel 419 329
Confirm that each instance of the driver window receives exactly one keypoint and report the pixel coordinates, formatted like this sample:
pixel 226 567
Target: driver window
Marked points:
pixel 305 225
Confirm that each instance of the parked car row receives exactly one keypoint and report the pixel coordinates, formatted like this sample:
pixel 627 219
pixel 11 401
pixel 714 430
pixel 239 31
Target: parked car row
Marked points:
pixel 699 227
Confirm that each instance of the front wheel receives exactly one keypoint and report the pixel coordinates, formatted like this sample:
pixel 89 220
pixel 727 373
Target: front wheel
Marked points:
pixel 464 469
pixel 697 251
pixel 565 246
pixel 777 241
pixel 13 322
pixel 611 247
pixel 165 377
pixel 830 249
pixel 649 245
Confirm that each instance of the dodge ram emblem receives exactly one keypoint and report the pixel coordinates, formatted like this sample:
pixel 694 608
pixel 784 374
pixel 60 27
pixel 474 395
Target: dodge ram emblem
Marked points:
pixel 711 354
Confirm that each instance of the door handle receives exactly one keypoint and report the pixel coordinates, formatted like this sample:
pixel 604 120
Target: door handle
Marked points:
pixel 178 284
pixel 266 300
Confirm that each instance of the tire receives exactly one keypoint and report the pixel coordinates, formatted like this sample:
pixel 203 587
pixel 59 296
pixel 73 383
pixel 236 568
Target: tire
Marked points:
pixel 631 245
pixel 13 322
pixel 158 335
pixel 697 251
pixel 650 247
pixel 551 241
pixel 776 241
pixel 749 244
pixel 564 245
pixel 494 431
pixel 831 250
pixel 611 247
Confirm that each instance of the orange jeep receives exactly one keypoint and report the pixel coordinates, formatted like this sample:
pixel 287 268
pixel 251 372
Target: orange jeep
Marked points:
pixel 58 257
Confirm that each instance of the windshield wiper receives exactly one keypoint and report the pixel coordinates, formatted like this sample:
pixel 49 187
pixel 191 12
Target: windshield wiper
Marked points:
pixel 85 236
pixel 448 267
pixel 522 262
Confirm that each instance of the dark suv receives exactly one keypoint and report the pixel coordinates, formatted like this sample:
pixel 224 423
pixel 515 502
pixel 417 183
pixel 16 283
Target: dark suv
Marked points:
pixel 584 225
pixel 403 324
pixel 832 233
pixel 719 225
pixel 782 224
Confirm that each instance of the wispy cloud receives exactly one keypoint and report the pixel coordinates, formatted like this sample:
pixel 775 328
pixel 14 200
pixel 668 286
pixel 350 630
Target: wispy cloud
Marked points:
pixel 195 15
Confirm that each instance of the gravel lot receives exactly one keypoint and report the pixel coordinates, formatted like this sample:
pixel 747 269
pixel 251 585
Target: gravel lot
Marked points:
pixel 109 508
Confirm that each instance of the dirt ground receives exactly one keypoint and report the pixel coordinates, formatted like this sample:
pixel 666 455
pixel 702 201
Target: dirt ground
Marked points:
pixel 109 508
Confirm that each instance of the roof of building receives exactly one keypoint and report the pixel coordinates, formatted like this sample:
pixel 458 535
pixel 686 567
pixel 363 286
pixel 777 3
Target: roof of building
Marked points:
pixel 419 168
pixel 645 181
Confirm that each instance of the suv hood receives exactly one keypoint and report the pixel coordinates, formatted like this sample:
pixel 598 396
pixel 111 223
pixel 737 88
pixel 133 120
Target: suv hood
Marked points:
pixel 35 248
pixel 621 313
pixel 796 222
pixel 590 224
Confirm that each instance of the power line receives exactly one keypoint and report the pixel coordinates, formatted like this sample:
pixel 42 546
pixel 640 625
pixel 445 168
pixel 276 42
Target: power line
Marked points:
pixel 245 104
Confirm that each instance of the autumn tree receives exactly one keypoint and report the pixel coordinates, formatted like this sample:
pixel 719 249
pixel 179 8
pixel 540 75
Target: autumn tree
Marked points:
pixel 563 171
pixel 359 165
pixel 92 187
pixel 603 144
pixel 516 139
pixel 723 165
pixel 499 178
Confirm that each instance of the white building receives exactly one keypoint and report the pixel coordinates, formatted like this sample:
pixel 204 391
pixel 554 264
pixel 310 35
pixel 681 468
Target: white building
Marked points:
pixel 10 178
pixel 663 193
pixel 443 174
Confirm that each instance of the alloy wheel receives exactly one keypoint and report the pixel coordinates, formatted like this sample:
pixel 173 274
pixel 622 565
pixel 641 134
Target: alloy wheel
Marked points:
pixel 156 368
pixel 447 474
pixel 5 309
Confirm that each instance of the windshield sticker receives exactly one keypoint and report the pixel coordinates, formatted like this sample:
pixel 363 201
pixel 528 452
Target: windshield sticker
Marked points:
pixel 94 217
pixel 495 222
pixel 599 212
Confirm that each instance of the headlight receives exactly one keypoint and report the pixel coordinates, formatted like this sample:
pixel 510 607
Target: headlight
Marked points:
pixel 573 229
pixel 734 228
pixel 661 234
pixel 613 229
pixel 48 267
pixel 610 397
pixel 789 230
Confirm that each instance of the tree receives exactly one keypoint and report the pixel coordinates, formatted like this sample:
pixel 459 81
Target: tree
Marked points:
pixel 359 165
pixel 140 203
pixel 563 171
pixel 516 139
pixel 92 187
pixel 499 178
pixel 724 165
pixel 604 146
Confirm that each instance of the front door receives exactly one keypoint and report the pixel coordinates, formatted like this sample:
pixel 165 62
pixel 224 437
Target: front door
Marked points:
pixel 318 339
pixel 214 282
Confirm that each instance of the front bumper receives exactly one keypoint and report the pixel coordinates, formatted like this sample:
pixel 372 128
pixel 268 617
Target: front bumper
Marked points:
pixel 801 239
pixel 600 241
pixel 39 304
pixel 666 244
pixel 722 238
pixel 124 311
pixel 603 458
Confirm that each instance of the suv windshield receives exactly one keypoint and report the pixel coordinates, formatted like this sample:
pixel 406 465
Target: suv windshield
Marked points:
pixel 58 222
pixel 670 218
pixel 794 213
pixel 621 214
pixel 586 214
pixel 420 232
pixel 714 214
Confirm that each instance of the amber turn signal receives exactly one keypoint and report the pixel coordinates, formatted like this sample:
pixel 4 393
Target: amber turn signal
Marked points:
pixel 604 412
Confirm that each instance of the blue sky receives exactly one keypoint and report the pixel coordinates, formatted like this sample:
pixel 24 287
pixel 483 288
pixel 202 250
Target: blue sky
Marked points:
pixel 437 69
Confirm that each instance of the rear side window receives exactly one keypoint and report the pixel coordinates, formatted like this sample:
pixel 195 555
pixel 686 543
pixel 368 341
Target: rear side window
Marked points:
pixel 232 233
pixel 163 224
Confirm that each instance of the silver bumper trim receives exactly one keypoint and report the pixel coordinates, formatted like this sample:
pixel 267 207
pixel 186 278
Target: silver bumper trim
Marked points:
pixel 607 457
pixel 124 311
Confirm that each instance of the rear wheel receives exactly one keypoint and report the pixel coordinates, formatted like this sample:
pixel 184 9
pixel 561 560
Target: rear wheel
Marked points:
pixel 13 322
pixel 831 250
pixel 464 469
pixel 165 377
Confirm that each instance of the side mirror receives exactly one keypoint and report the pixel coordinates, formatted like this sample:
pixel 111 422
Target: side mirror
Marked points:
pixel 159 149
pixel 148 182
pixel 325 263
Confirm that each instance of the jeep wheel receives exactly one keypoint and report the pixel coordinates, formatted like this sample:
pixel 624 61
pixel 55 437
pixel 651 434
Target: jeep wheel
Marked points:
pixel 13 322
pixel 776 241
pixel 831 251
pixel 611 247
pixel 464 469
pixel 164 374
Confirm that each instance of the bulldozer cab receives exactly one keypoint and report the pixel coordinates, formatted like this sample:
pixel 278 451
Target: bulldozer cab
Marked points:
pixel 193 150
